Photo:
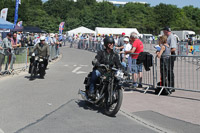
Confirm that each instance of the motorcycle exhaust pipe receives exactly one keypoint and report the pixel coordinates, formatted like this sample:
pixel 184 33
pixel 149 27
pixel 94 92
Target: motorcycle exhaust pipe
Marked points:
pixel 83 94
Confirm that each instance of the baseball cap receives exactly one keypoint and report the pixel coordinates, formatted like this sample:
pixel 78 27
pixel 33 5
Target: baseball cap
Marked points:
pixel 167 29
pixel 123 33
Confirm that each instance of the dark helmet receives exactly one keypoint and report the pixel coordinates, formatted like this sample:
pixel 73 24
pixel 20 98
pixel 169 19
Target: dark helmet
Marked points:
pixel 108 40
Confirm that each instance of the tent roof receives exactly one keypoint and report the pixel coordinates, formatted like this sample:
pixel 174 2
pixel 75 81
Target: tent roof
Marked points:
pixel 32 29
pixel 115 31
pixel 81 30
pixel 5 24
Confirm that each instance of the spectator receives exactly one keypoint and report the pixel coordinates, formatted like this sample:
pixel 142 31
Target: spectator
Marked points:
pixel 8 48
pixel 171 41
pixel 51 43
pixel 30 39
pixel 116 40
pixel 15 44
pixel 57 44
pixel 126 58
pixel 64 39
pixel 164 55
pixel 2 55
pixel 120 45
pixel 137 48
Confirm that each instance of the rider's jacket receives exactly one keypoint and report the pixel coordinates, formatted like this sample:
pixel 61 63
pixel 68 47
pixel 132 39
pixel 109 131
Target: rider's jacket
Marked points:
pixel 111 59
pixel 42 50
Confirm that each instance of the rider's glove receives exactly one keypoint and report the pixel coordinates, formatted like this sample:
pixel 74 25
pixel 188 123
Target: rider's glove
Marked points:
pixel 95 62
pixel 125 73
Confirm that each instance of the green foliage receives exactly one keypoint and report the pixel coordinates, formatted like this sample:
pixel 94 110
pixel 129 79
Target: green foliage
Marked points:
pixel 91 14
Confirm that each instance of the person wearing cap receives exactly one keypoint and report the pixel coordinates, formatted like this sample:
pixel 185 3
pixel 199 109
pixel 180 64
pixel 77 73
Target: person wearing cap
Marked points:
pixel 8 48
pixel 136 69
pixel 171 41
pixel 127 47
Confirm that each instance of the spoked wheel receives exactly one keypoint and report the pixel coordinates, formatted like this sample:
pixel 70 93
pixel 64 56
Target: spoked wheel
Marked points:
pixel 42 72
pixel 112 108
pixel 33 72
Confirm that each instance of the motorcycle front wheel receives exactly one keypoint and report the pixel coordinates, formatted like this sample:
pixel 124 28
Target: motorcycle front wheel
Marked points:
pixel 111 109
pixel 33 72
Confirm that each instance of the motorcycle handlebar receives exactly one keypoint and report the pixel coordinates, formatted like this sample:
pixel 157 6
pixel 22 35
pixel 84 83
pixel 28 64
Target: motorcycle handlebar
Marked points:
pixel 107 67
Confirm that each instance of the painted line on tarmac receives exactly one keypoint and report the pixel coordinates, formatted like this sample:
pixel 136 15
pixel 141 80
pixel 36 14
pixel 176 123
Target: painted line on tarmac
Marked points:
pixel 76 69
pixel 84 65
pixel 143 122
pixel 1 131
pixel 80 72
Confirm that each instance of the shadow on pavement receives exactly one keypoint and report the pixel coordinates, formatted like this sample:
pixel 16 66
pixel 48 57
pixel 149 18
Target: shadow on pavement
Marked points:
pixel 31 79
pixel 187 98
pixel 89 106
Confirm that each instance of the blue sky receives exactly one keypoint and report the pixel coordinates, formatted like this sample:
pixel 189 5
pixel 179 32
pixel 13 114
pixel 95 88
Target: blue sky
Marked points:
pixel 179 3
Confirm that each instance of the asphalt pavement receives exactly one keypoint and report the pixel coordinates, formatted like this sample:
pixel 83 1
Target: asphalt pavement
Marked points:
pixel 52 105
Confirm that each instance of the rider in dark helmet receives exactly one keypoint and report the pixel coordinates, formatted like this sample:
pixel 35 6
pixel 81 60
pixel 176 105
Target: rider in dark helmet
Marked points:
pixel 106 57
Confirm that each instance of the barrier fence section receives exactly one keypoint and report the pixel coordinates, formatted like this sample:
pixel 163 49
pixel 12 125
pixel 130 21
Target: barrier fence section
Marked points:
pixel 18 59
pixel 186 66
pixel 186 73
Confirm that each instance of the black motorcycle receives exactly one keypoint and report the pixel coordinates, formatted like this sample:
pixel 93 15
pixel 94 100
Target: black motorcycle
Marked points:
pixel 108 90
pixel 37 66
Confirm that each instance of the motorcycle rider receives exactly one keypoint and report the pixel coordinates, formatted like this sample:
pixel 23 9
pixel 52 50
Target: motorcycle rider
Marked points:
pixel 42 51
pixel 106 57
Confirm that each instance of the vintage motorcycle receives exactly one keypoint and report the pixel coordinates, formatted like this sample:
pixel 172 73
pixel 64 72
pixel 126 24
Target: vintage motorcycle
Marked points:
pixel 108 90
pixel 37 66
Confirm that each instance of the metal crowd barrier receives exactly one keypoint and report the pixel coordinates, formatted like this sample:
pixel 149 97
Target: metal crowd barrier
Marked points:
pixel 186 68
pixel 148 76
pixel 18 59
pixel 93 46
pixel 186 73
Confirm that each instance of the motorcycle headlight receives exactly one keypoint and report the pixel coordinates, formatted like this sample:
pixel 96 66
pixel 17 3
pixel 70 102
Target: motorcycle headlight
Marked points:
pixel 41 60
pixel 119 74
pixel 36 58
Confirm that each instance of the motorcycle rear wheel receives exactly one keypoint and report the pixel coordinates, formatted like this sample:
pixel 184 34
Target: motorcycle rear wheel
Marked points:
pixel 112 109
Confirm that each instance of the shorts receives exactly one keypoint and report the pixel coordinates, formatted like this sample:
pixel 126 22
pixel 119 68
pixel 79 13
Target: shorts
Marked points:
pixel 135 68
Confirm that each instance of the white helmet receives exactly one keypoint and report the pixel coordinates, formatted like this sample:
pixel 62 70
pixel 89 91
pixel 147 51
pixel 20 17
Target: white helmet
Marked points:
pixel 42 38
pixel 51 35
pixel 126 39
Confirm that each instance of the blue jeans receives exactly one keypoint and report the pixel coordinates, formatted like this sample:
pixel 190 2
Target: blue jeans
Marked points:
pixel 95 75
pixel 135 68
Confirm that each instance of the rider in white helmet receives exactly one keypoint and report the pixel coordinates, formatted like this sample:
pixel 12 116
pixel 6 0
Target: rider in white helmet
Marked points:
pixel 42 49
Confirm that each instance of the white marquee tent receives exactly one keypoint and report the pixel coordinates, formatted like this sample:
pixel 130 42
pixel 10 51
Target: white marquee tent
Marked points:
pixel 115 31
pixel 81 30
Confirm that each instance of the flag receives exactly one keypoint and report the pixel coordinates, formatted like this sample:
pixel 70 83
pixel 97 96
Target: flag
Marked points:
pixel 4 13
pixel 61 26
pixel 16 11
pixel 20 2
pixel 19 24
